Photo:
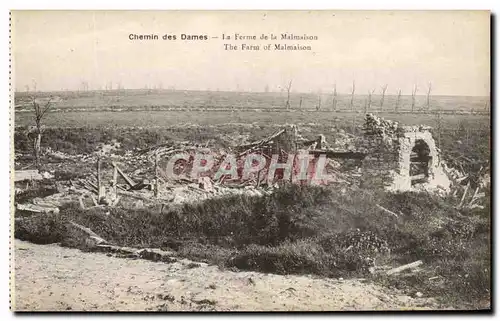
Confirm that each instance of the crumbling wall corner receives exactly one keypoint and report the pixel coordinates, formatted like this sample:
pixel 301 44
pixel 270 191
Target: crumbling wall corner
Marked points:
pixel 399 183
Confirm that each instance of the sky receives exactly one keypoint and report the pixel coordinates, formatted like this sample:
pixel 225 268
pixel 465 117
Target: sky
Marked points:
pixel 59 50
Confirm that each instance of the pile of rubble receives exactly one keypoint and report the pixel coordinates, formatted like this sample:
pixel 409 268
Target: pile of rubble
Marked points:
pixel 149 184
pixel 388 153
pixel 387 131
pixel 470 189
pixel 377 126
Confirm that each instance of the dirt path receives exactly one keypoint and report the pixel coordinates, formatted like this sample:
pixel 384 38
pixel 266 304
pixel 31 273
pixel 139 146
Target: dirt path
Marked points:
pixel 49 277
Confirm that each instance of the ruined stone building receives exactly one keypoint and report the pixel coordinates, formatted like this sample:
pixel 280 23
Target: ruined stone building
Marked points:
pixel 403 157
pixel 399 158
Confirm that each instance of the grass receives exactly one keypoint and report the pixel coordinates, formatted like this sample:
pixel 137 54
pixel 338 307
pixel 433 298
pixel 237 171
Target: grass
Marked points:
pixel 151 99
pixel 85 140
pixel 307 230
pixel 148 119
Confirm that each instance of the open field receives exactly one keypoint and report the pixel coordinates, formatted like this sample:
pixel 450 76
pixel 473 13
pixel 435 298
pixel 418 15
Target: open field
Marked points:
pixel 169 118
pixel 130 99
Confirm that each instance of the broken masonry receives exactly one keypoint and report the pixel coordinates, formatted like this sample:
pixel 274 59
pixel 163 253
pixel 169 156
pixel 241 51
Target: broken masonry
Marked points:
pixel 406 156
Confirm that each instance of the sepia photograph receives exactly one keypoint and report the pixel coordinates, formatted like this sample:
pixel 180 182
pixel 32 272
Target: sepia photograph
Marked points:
pixel 279 160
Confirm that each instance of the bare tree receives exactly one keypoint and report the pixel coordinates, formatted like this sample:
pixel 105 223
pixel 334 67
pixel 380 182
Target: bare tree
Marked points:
pixel 288 88
pixel 318 107
pixel 334 102
pixel 398 100
pixel 368 104
pixel 300 103
pixel 84 85
pixel 33 85
pixel 384 89
pixel 429 88
pixel 27 88
pixel 40 112
pixel 439 127
pixel 413 93
pixel 352 95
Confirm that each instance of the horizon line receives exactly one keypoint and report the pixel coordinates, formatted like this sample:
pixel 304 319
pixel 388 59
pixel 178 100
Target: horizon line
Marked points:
pixel 232 91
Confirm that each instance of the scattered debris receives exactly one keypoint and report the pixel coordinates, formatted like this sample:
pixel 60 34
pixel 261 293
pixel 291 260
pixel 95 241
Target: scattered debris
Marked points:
pixel 387 211
pixel 37 208
pixel 205 183
pixel 404 267
pixel 463 196
pixel 404 157
pixel 93 237
pixel 31 175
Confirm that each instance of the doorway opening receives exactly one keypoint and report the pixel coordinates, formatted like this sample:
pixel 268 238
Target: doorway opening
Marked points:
pixel 420 161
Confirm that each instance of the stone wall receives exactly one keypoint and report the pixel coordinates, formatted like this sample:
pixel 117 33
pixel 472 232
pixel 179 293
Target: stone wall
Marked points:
pixel 390 147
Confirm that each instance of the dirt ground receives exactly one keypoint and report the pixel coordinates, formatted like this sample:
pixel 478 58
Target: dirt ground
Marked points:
pixel 53 278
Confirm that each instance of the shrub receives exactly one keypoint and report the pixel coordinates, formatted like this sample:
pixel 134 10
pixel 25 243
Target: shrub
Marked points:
pixel 41 228
pixel 304 256
pixel 305 229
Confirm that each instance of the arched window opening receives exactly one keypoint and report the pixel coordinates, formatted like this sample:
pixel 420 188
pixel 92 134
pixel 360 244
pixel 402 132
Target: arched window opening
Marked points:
pixel 420 160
